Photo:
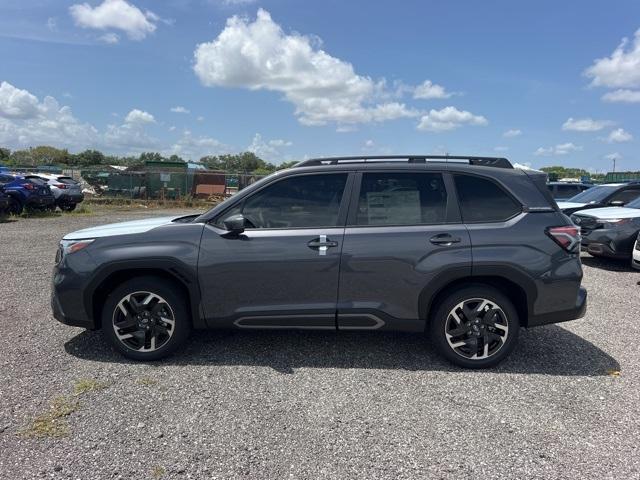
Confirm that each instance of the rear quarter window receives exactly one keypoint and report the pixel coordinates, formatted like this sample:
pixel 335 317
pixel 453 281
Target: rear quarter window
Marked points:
pixel 482 200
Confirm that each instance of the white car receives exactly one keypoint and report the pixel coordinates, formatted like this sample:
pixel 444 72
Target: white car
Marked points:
pixel 635 261
pixel 66 191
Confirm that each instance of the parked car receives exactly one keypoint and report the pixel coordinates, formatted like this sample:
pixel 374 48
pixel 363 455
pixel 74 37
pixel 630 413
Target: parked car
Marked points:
pixel 4 201
pixel 26 192
pixel 606 195
pixel 468 252
pixel 635 256
pixel 66 191
pixel 611 231
pixel 566 190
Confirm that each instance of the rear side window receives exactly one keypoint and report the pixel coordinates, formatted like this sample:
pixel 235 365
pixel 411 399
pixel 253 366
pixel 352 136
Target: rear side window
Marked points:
pixel 482 200
pixel 67 180
pixel 567 191
pixel 402 199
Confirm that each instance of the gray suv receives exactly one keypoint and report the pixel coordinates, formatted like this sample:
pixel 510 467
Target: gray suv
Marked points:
pixel 466 249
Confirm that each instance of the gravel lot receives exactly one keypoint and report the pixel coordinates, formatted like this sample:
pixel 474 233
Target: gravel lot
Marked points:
pixel 310 405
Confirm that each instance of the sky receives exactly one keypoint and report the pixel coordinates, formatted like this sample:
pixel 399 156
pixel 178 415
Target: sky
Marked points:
pixel 541 83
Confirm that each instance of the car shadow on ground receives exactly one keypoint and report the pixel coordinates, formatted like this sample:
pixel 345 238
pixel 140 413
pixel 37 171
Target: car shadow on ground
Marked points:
pixel 549 350
pixel 611 264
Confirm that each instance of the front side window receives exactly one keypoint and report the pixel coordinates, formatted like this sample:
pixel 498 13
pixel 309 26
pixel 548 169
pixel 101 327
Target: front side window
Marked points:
pixel 402 199
pixel 626 196
pixel 482 200
pixel 305 201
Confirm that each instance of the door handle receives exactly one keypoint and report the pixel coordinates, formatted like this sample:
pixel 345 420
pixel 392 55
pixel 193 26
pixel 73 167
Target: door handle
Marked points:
pixel 444 239
pixel 322 244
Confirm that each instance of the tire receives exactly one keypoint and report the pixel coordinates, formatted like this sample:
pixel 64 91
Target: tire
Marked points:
pixel 15 207
pixel 150 331
pixel 475 316
pixel 68 207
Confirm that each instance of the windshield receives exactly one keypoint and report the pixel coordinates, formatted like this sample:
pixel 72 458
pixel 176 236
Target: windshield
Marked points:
pixel 594 194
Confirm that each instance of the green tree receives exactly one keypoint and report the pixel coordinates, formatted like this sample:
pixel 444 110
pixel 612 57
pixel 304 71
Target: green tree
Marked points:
pixel 5 153
pixel 89 158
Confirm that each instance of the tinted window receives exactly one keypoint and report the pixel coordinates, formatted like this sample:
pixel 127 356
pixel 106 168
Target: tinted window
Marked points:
pixel 482 200
pixel 402 199
pixel 594 194
pixel 625 195
pixel 567 191
pixel 297 202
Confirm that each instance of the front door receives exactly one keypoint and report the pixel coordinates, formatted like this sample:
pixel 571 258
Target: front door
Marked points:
pixel 282 271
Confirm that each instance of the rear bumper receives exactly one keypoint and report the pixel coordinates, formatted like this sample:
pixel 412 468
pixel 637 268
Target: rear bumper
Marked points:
pixel 39 200
pixel 69 199
pixel 574 313
pixel 635 260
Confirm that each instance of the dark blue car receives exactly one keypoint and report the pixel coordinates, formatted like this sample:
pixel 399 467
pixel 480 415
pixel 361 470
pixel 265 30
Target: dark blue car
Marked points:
pixel 26 192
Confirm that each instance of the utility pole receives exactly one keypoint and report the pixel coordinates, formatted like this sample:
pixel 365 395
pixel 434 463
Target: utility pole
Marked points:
pixel 614 164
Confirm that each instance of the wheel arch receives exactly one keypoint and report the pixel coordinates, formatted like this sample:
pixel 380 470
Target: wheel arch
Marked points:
pixel 430 299
pixel 109 278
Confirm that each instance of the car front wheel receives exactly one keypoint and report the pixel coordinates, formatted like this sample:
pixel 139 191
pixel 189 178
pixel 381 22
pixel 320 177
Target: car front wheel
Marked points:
pixel 475 327
pixel 145 319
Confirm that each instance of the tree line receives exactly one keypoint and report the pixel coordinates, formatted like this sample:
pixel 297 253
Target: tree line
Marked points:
pixel 244 162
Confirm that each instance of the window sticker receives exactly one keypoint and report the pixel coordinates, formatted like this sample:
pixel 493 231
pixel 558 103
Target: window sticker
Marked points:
pixel 393 207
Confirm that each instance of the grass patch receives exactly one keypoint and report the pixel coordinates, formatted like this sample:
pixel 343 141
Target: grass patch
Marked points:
pixel 39 213
pixel 81 209
pixel 85 385
pixel 147 382
pixel 53 423
pixel 157 472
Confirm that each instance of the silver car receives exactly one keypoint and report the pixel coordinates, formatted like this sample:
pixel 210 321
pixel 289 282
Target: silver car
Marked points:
pixel 67 192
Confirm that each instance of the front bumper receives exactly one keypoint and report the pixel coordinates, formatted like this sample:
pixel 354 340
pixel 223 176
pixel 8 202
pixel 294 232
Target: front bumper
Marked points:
pixel 574 313
pixel 613 243
pixel 68 288
pixel 635 259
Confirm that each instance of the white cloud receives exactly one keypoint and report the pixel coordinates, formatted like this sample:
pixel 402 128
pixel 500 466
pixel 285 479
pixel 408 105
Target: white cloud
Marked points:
pixel 621 69
pixel 622 96
pixel 613 156
pixel 139 117
pixel 172 128
pixel 619 135
pixel 369 143
pixel 514 132
pixel 196 147
pixel 238 2
pixel 115 14
pixel 561 149
pixel 269 150
pixel 52 24
pixel 449 118
pixel 26 121
pixel 428 90
pixel 501 148
pixel 110 38
pixel 180 109
pixel 17 103
pixel 585 124
pixel 259 55
pixel 200 118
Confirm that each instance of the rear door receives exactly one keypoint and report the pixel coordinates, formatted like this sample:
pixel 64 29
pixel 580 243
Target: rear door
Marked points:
pixel 403 236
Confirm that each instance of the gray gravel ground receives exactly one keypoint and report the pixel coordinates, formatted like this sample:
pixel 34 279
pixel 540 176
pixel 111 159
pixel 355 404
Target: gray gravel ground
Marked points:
pixel 313 405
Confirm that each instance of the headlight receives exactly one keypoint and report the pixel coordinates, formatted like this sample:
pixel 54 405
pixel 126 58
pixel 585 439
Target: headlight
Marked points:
pixel 71 246
pixel 613 221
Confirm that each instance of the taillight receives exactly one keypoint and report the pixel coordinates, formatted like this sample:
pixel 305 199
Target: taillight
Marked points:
pixel 29 186
pixel 61 185
pixel 568 237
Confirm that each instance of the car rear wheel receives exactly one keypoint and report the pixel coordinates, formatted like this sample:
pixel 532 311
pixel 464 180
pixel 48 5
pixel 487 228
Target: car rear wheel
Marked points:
pixel 15 207
pixel 146 319
pixel 475 327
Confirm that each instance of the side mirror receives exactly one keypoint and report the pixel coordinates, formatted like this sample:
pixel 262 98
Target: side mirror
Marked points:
pixel 235 224
pixel 617 203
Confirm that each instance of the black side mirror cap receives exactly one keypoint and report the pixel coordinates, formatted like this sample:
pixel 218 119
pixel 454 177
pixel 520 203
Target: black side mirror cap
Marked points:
pixel 235 224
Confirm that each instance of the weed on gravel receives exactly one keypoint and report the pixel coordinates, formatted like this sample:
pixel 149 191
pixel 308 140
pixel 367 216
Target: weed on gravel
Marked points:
pixel 85 385
pixel 53 423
